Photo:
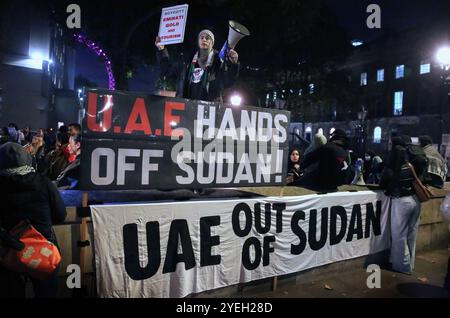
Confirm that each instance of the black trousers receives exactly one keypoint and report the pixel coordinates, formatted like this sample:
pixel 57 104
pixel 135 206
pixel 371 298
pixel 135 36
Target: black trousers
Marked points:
pixel 12 285
pixel 447 278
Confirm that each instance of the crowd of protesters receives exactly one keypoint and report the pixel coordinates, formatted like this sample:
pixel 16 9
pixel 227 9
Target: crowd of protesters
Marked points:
pixel 35 164
pixel 54 154
pixel 327 164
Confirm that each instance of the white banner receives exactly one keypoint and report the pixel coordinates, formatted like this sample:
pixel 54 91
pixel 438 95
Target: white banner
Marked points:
pixel 177 248
pixel 172 24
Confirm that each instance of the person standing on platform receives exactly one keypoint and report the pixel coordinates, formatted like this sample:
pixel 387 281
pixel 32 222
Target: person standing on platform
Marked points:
pixel 330 165
pixel 206 76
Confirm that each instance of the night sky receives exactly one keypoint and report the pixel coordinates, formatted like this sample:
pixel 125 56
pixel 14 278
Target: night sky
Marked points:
pixel 396 15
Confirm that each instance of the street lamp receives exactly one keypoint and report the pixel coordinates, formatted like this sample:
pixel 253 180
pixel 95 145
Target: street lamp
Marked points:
pixel 443 57
pixel 236 100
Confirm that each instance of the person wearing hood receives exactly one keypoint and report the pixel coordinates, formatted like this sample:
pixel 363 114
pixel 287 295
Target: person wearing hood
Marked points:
pixel 331 162
pixel 27 195
pixel 206 76
pixel 294 171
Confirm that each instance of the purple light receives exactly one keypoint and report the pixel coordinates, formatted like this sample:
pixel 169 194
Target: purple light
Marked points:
pixel 91 45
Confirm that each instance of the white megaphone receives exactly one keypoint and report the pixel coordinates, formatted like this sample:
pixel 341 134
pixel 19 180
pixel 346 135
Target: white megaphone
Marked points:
pixel 236 32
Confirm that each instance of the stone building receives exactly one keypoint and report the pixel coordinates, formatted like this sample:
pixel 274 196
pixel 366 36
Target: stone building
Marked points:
pixel 401 88
pixel 37 67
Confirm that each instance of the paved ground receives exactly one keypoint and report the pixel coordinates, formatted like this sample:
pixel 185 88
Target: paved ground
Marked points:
pixel 426 281
pixel 348 281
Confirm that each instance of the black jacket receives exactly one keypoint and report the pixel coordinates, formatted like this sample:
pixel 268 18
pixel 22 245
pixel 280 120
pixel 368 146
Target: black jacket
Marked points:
pixel 331 167
pixel 222 75
pixel 31 197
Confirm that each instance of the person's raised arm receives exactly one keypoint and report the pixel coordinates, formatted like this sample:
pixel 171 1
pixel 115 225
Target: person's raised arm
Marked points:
pixel 166 66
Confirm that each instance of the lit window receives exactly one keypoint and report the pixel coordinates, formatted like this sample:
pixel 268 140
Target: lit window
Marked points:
pixel 424 68
pixel 311 88
pixel 398 103
pixel 380 75
pixel 363 80
pixel 377 135
pixel 308 130
pixel 320 131
pixel 300 91
pixel 399 71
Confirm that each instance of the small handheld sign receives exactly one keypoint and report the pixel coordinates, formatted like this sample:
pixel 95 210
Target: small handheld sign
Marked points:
pixel 172 24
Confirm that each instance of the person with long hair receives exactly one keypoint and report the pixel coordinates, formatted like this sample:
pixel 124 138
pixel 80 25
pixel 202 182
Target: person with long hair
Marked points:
pixel 293 166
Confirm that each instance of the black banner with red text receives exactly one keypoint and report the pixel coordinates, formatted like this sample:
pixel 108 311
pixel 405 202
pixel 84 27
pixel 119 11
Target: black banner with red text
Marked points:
pixel 138 141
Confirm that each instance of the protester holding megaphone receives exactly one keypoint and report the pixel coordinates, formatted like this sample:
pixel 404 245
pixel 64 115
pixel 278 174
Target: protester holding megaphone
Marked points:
pixel 207 75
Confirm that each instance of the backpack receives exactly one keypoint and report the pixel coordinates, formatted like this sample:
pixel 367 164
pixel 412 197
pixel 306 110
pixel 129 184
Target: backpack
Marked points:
pixel 25 250
pixel 417 157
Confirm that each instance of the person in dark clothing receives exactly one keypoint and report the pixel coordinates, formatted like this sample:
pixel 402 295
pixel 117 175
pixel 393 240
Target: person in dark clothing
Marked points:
pixel 445 210
pixel 397 179
pixel 37 151
pixel 26 194
pixel 4 138
pixel 74 129
pixel 69 177
pixel 437 167
pixel 294 166
pixel 206 76
pixel 332 165
pixel 368 158
pixel 376 170
pixel 27 135
pixel 58 159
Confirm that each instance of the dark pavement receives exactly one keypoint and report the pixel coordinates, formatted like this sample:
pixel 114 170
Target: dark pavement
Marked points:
pixel 426 281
